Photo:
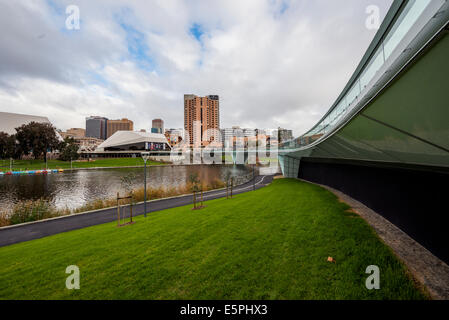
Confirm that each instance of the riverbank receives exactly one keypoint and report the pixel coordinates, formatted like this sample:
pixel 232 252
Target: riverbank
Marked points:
pixel 23 165
pixel 273 243
pixel 38 210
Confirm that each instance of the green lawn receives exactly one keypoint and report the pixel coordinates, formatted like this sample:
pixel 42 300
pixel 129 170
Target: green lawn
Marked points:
pixel 57 164
pixel 269 244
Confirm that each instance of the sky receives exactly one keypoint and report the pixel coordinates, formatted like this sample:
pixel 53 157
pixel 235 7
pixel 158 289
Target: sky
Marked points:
pixel 274 63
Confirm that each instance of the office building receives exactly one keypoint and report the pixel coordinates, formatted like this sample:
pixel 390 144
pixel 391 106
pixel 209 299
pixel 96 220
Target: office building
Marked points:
pixel 74 133
pixel 284 135
pixel 96 127
pixel 119 125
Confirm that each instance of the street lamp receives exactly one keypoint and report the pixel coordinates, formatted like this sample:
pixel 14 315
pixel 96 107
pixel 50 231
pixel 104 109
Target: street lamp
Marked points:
pixel 145 157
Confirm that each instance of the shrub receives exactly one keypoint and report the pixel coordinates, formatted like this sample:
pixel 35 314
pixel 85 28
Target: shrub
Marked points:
pixel 28 211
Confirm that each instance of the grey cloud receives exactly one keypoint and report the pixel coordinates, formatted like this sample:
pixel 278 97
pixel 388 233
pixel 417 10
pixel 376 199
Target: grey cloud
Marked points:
pixel 269 70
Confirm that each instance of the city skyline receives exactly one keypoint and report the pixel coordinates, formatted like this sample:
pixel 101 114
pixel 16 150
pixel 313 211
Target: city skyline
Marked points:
pixel 132 56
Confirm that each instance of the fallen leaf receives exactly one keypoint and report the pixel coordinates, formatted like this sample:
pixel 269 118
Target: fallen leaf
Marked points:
pixel 330 259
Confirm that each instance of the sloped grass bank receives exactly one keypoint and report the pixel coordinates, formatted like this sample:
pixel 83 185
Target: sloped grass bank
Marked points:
pixel 269 244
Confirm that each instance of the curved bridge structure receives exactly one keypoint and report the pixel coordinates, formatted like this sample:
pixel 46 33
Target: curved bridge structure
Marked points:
pixel 385 140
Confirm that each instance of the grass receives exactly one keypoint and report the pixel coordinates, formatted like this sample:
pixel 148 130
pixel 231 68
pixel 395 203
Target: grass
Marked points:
pixel 269 244
pixel 21 165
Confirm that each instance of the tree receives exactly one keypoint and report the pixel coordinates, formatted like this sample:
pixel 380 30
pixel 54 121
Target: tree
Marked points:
pixel 194 182
pixel 68 150
pixel 8 148
pixel 37 138
pixel 229 183
pixel 4 138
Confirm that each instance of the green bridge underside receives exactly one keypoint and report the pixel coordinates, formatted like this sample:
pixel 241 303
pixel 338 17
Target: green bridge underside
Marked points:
pixel 407 123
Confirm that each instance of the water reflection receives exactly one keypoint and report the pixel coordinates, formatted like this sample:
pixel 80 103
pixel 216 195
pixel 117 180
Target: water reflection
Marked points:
pixel 73 189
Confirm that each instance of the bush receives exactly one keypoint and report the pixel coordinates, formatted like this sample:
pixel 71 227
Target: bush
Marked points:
pixel 28 211
pixel 4 219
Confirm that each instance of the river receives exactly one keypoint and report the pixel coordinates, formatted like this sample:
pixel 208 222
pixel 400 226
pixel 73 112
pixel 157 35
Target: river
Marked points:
pixel 72 189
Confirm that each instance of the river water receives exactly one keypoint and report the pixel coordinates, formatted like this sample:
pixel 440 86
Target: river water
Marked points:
pixel 73 189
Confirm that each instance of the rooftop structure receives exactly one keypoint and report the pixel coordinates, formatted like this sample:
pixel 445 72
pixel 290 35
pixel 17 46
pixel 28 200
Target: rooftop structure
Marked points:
pixel 10 121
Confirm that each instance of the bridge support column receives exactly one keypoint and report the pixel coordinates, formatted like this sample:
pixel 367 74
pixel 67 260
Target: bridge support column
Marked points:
pixel 289 166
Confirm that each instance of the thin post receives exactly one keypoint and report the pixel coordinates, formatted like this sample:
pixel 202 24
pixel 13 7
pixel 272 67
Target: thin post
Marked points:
pixel 145 190
pixel 131 208
pixel 254 177
pixel 194 199
pixel 118 210
pixel 71 164
pixel 10 164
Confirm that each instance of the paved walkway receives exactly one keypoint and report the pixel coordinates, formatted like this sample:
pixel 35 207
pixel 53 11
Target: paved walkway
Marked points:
pixel 35 230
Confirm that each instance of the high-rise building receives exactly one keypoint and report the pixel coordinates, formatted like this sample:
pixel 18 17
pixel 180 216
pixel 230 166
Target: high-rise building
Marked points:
pixel 205 112
pixel 157 126
pixel 119 125
pixel 96 127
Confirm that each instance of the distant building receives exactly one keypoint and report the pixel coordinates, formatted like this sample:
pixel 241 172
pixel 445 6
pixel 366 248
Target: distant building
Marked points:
pixel 174 136
pixel 157 126
pixel 284 135
pixel 119 125
pixel 125 141
pixel 228 134
pixel 10 121
pixel 205 111
pixel 96 127
pixel 74 133
pixel 87 144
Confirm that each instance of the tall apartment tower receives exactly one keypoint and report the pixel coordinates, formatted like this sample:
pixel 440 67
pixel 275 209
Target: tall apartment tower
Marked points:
pixel 96 127
pixel 206 112
pixel 119 125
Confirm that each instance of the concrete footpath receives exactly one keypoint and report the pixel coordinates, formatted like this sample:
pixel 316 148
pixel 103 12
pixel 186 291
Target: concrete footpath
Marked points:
pixel 39 229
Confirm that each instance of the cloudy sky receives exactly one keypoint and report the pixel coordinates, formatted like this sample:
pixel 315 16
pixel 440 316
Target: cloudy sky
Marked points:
pixel 273 62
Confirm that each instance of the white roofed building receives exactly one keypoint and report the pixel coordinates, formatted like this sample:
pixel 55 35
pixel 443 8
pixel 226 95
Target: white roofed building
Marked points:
pixel 134 141
pixel 10 121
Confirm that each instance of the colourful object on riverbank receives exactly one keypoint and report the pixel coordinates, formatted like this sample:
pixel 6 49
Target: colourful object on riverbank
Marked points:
pixel 30 172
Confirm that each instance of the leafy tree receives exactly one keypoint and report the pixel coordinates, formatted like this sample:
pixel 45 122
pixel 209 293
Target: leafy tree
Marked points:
pixel 8 148
pixel 68 150
pixel 4 137
pixel 37 138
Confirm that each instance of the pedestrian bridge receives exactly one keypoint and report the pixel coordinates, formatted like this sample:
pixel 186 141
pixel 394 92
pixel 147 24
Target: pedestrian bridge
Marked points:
pixel 385 140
